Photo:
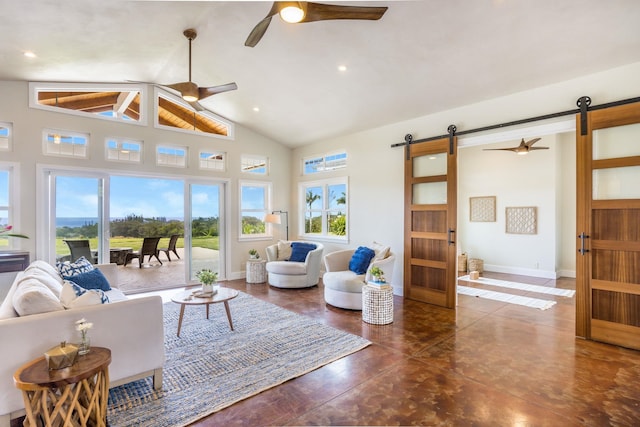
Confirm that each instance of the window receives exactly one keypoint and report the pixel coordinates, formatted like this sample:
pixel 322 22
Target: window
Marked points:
pixel 253 164
pixel 65 143
pixel 324 163
pixel 171 156
pixel 254 204
pixel 124 150
pixel 173 113
pixel 213 160
pixel 5 136
pixel 119 102
pixel 8 204
pixel 325 212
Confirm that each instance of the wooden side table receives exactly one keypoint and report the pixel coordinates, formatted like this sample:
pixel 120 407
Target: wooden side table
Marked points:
pixel 73 396
pixel 377 304
pixel 256 271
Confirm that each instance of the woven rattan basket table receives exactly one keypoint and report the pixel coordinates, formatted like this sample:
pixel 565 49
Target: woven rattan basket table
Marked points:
pixel 377 304
pixel 256 271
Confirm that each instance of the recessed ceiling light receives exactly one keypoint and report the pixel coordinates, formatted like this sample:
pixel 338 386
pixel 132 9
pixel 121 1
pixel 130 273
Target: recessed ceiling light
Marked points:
pixel 256 109
pixel 29 54
pixel 342 68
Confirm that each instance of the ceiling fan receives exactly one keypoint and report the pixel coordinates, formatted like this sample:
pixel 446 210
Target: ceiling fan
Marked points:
pixel 523 148
pixel 301 11
pixel 191 92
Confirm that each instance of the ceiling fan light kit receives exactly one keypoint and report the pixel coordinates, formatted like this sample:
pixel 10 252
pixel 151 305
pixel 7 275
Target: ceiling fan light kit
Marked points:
pixel 292 12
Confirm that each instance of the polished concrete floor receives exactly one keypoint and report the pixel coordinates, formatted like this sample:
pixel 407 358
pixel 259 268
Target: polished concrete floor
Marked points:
pixel 486 364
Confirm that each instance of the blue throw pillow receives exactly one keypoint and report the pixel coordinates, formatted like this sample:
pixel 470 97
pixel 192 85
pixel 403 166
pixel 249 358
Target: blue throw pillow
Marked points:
pixel 360 259
pixel 300 250
pixel 93 279
pixel 81 265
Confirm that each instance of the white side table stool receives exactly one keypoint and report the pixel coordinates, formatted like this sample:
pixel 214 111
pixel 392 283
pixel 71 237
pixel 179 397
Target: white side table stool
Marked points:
pixel 377 304
pixel 257 271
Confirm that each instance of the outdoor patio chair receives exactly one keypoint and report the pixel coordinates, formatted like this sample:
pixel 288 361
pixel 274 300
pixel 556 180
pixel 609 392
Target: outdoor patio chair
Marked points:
pixel 171 247
pixel 81 248
pixel 149 248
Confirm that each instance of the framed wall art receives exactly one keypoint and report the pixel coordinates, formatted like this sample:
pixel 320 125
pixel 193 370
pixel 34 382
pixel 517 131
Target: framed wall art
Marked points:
pixel 521 220
pixel 482 209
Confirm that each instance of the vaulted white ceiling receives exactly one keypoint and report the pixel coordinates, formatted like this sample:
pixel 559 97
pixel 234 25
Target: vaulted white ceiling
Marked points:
pixel 421 57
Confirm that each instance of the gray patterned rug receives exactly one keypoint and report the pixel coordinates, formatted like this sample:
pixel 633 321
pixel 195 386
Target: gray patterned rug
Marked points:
pixel 211 367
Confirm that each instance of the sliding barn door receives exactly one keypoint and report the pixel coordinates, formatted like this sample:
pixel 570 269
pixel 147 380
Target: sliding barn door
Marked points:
pixel 608 234
pixel 430 222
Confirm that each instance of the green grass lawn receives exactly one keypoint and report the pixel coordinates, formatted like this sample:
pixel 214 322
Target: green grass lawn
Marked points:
pixel 136 243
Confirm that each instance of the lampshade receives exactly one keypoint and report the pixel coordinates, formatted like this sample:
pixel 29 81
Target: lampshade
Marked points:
pixel 292 13
pixel 272 219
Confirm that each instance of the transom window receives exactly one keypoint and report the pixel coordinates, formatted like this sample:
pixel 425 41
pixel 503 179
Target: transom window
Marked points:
pixel 254 164
pixel 104 101
pixel 65 143
pixel 173 113
pixel 171 156
pixel 124 150
pixel 323 163
pixel 5 136
pixel 325 212
pixel 213 160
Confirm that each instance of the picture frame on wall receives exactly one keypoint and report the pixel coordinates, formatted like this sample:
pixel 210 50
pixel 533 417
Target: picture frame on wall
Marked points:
pixel 521 220
pixel 482 209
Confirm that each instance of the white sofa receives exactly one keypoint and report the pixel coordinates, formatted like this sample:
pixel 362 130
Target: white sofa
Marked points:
pixel 343 287
pixel 293 274
pixel 131 328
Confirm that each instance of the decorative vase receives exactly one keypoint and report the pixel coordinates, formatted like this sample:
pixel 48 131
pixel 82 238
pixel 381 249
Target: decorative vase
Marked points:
pixel 85 345
pixel 207 288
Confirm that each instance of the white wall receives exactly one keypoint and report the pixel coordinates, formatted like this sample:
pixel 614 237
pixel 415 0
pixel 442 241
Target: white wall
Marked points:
pixel 28 124
pixel 376 171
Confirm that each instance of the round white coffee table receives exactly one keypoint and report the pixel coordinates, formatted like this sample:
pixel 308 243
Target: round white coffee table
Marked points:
pixel 186 298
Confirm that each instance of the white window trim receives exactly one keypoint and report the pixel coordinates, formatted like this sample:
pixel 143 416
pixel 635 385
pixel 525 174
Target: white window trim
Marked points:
pixel 212 152
pixel 35 87
pixel 158 93
pixel 302 186
pixel 268 234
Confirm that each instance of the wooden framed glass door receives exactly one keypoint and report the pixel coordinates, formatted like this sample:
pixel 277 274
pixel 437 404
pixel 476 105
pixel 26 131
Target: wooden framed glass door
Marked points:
pixel 608 227
pixel 430 221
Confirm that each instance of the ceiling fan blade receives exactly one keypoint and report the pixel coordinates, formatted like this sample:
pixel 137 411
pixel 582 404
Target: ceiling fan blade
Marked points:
pixel 196 106
pixel 323 12
pixel 205 92
pixel 538 148
pixel 531 142
pixel 180 87
pixel 501 149
pixel 259 30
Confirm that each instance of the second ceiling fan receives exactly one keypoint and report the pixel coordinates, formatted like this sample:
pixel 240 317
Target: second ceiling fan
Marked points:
pixel 191 92
pixel 523 148
pixel 301 11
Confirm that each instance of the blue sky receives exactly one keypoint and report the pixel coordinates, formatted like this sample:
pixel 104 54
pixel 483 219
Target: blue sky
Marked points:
pixel 149 197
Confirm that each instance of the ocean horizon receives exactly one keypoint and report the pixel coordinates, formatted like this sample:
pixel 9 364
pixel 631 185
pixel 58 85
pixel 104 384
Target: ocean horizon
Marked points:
pixel 73 222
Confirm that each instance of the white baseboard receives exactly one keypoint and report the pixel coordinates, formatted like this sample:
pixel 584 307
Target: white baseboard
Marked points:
pixel 533 272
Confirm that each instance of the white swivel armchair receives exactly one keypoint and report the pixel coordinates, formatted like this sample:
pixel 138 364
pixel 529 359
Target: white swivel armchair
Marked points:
pixel 293 274
pixel 343 287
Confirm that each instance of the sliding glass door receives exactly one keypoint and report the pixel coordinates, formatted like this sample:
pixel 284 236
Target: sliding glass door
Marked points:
pixel 205 226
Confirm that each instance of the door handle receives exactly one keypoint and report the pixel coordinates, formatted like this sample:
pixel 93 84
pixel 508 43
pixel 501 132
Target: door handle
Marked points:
pixel 450 241
pixel 582 236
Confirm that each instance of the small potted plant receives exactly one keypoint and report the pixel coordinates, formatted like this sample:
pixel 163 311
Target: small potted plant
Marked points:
pixel 208 278
pixel 377 274
pixel 253 254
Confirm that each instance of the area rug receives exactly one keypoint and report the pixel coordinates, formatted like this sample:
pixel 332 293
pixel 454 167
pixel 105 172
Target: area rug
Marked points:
pixel 540 304
pixel 211 367
pixel 522 286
